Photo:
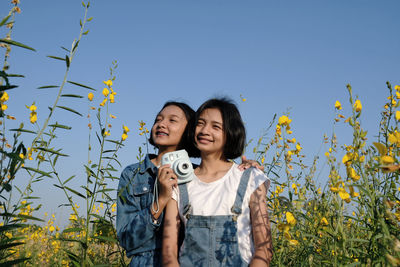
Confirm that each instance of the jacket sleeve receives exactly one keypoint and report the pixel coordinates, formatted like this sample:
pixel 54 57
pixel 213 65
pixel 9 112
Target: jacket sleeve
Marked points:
pixel 135 225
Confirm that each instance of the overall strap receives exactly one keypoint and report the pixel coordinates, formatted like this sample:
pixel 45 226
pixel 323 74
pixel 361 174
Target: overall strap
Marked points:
pixel 184 199
pixel 244 180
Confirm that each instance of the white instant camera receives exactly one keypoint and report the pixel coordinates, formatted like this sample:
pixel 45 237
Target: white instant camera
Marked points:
pixel 180 164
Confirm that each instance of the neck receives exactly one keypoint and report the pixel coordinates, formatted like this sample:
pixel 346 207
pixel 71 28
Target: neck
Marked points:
pixel 161 151
pixel 212 166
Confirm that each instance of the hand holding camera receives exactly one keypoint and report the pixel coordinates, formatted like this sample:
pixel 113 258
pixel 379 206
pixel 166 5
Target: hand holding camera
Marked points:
pixel 180 164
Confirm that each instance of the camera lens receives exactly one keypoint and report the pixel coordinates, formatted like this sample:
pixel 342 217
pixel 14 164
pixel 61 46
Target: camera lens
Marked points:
pixel 185 166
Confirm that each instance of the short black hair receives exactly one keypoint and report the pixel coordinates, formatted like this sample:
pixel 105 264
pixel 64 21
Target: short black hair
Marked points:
pixel 187 137
pixel 233 126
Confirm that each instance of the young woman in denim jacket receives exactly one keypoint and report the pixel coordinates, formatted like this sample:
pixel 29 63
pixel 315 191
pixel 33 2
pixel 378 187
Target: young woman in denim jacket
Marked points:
pixel 139 224
pixel 223 209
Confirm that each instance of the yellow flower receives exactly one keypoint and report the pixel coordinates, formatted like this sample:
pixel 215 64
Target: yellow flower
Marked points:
pixel 343 194
pixel 103 102
pixel 387 159
pixel 33 117
pixel 338 106
pixel 106 92
pixel 124 136
pixel 4 97
pixel 112 116
pixel 113 207
pixel 4 107
pixel 22 156
pixel 108 83
pixel 11 117
pixel 324 221
pixel 106 133
pixel 290 218
pixel 358 105
pixel 52 228
pixel 397 115
pixel 73 217
pixel 112 100
pixel 293 242
pixel 298 147
pixel 346 158
pixel 32 107
pixel 352 174
pixel 126 129
pixel 397 87
pixel 90 96
pixel 284 120
pixel 334 189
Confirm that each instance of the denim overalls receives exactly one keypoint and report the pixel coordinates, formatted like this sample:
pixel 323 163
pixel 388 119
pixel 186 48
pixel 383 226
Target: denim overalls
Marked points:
pixel 212 240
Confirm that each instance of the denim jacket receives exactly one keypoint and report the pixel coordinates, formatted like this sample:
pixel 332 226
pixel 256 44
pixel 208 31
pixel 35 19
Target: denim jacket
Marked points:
pixel 136 230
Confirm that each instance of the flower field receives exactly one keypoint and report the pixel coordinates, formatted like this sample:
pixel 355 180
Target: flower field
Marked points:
pixel 352 219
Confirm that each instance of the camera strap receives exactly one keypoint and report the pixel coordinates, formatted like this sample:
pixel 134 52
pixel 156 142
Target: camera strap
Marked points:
pixel 155 197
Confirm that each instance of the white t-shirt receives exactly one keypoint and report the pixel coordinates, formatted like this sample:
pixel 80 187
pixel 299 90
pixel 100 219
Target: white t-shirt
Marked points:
pixel 218 197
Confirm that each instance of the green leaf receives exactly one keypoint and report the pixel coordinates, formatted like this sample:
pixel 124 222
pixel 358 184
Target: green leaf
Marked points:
pixel 9 227
pixel 22 130
pixel 4 21
pixel 105 238
pixel 61 126
pixel 48 86
pixel 20 216
pixel 69 179
pixel 81 85
pixel 11 42
pixel 13 262
pixel 86 32
pixel 7 87
pixel 37 171
pixel 16 75
pixel 70 95
pixel 74 229
pixel 52 151
pixel 115 142
pixel 75 46
pixel 70 110
pixel 74 191
pixel 89 19
pixel 58 58
pixel 67 61
pixel 10 245
pixel 62 47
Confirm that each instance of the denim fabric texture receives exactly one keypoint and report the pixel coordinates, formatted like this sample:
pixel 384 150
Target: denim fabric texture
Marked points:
pixel 136 231
pixel 212 240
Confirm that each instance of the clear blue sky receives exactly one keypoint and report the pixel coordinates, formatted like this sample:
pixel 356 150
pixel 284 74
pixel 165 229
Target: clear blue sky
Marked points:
pixel 277 54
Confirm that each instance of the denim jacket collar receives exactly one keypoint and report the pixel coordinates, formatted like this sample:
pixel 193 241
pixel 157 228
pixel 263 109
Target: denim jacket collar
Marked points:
pixel 147 165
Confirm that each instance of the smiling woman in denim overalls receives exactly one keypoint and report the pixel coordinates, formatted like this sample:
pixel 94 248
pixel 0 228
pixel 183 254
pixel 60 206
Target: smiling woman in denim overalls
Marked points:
pixel 223 208
pixel 139 225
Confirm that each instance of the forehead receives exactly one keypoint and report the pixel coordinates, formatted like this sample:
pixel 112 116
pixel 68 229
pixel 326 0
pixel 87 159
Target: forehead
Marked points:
pixel 172 111
pixel 211 114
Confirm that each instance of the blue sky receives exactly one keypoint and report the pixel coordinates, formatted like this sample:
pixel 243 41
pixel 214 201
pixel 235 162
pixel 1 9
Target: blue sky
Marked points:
pixel 280 55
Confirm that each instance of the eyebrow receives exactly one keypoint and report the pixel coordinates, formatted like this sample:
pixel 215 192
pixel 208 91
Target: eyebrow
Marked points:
pixel 217 122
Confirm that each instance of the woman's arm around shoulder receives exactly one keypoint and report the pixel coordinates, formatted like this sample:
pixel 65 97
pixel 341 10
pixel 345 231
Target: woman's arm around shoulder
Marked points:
pixel 170 234
pixel 261 227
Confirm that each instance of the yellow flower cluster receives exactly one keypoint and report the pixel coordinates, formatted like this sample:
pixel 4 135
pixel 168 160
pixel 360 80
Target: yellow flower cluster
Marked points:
pixel 125 132
pixel 33 114
pixel 143 130
pixel 108 93
pixel 3 99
